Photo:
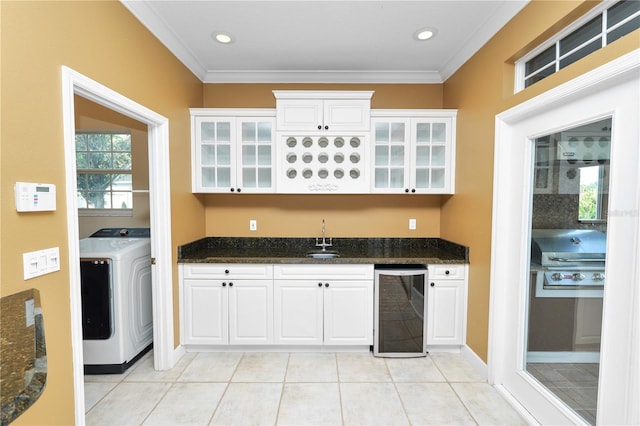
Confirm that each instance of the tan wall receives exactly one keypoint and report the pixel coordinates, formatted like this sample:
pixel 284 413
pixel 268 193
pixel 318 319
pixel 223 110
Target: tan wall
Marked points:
pixel 301 215
pixel 103 41
pixel 90 116
pixel 480 89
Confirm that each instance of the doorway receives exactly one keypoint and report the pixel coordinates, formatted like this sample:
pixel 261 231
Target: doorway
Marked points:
pixel 611 91
pixel 74 83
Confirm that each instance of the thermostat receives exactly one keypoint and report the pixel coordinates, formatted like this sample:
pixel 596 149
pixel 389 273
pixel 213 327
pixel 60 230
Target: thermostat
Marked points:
pixel 35 197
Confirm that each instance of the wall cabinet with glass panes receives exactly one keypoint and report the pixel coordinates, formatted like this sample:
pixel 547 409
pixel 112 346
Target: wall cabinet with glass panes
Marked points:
pixel 232 150
pixel 413 151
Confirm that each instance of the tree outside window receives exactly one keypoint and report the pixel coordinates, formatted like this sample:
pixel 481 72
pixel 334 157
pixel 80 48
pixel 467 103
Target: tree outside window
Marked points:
pixel 103 163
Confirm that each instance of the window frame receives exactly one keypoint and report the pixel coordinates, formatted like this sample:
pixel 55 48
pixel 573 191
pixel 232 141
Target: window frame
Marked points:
pixel 554 41
pixel 108 212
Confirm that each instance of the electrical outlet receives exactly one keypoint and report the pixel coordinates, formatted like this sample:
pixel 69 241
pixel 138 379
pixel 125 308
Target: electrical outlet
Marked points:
pixel 412 224
pixel 253 225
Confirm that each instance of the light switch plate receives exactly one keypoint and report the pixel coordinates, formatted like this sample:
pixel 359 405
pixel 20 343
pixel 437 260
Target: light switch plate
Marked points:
pixel 41 262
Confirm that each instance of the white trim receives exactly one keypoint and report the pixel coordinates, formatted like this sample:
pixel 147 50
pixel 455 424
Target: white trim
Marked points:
pixel 477 362
pixel 619 389
pixel 528 418
pixel 160 210
pixel 564 357
pixel 322 76
pixel 232 112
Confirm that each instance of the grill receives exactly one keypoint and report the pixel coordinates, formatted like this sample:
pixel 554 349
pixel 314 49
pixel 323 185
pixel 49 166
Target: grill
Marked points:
pixel 569 258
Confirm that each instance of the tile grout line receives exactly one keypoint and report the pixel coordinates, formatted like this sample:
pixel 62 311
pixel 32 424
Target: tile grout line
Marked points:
pixel 284 380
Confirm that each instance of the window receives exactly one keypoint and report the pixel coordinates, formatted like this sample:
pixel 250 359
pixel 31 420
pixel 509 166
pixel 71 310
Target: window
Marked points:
pixel 103 163
pixel 595 30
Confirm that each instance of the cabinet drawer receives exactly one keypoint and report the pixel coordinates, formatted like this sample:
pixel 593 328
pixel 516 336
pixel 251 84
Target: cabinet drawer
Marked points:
pixel 446 272
pixel 229 270
pixel 345 272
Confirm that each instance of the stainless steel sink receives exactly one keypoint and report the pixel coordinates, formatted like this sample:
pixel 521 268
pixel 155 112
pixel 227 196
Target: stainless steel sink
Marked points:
pixel 326 254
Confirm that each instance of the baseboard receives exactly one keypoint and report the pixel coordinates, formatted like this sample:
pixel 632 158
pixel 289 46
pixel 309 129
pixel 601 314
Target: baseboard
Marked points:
pixel 528 418
pixel 478 364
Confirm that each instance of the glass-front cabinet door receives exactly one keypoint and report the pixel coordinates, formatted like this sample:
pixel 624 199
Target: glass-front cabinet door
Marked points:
pixel 214 156
pixel 413 154
pixel 233 154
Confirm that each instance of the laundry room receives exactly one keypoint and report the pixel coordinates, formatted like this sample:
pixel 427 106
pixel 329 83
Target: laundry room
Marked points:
pixel 112 169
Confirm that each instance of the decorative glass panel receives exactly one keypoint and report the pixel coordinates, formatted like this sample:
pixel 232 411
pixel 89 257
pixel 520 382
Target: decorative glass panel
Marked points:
pixel 439 132
pixel 382 178
pixel 397 132
pixel 437 178
pixel 208 155
pixel 224 131
pixel 422 178
pixel 224 177
pixel 438 156
pixel 208 177
pixel 422 156
pixel 397 178
pixel 248 177
pixel 249 155
pixel 208 132
pixel 264 155
pixel 382 155
pixel 249 132
pixel 264 132
pixel 264 177
pixel 423 132
pixel 382 132
pixel 224 155
pixel 397 155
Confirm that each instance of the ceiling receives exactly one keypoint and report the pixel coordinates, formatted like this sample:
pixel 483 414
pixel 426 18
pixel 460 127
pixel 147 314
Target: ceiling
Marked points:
pixel 326 41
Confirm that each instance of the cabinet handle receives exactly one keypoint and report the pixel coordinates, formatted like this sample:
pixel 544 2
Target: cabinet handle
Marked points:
pixel 433 284
pixel 326 284
pixel 319 284
pixel 224 284
pixel 230 284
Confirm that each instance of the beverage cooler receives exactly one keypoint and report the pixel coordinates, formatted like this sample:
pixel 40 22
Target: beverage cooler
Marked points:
pixel 400 327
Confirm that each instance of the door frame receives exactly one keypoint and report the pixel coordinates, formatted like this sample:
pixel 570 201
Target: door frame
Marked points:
pixel 619 387
pixel 74 83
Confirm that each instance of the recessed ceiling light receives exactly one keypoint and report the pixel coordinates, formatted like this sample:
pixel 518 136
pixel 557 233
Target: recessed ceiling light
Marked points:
pixel 425 34
pixel 222 38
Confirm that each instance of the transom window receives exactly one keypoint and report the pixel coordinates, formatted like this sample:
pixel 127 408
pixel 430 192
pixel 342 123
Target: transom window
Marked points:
pixel 600 27
pixel 103 163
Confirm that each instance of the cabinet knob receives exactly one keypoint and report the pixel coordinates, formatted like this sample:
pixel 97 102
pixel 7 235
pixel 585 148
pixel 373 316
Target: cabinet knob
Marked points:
pixel 326 284
pixel 406 190
pixel 413 190
pixel 432 284
pixel 319 127
pixel 446 272
pixel 230 284
pixel 239 189
pixel 226 271
pixel 224 284
pixel 319 284
pixel 232 189
pixel 326 127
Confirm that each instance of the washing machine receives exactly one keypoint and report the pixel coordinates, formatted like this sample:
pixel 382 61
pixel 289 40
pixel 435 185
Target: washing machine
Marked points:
pixel 117 317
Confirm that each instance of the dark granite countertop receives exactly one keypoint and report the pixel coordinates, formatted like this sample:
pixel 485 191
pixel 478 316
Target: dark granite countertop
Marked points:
pixel 351 250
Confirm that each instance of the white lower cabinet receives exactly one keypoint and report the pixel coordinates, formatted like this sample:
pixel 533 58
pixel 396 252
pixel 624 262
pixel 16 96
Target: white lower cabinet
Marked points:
pixel 327 304
pixel 447 305
pixel 220 308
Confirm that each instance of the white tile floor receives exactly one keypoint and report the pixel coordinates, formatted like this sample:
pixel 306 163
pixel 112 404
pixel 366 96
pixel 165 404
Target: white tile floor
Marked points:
pixel 297 389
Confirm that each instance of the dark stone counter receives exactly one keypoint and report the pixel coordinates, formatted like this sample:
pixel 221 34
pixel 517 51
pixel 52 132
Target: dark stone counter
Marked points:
pixel 351 250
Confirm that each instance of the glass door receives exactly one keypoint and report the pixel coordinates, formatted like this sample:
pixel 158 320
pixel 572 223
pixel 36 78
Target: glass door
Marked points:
pixel 564 305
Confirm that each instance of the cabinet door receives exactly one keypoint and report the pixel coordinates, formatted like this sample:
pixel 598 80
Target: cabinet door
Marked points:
pixel 205 313
pixel 348 313
pixel 298 312
pixel 255 168
pixel 391 149
pixel 299 114
pixel 430 155
pixel 346 115
pixel 213 151
pixel 445 312
pixel 250 312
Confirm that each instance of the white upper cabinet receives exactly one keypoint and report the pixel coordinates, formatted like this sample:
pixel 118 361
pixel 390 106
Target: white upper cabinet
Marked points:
pixel 233 150
pixel 413 151
pixel 322 111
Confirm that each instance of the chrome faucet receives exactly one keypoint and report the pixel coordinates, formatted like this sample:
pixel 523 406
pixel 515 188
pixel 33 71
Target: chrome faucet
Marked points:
pixel 324 244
